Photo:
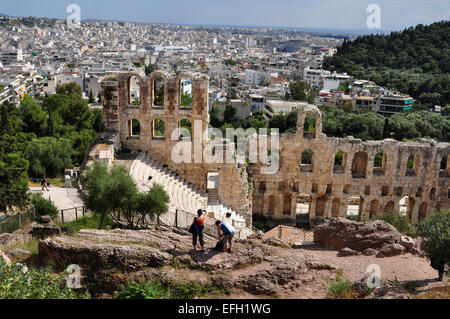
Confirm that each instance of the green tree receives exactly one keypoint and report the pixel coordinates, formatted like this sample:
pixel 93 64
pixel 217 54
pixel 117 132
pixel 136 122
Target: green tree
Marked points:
pixel 115 194
pixel 13 182
pixel 49 155
pixel 300 91
pixel 70 89
pixel 435 229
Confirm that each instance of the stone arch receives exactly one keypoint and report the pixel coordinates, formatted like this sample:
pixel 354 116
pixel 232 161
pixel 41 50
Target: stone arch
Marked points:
pixel 303 114
pixel 309 128
pixel 374 205
pixel 185 91
pixel 287 204
pixel 185 124
pixel 272 205
pixel 154 78
pixel 389 206
pixel 158 128
pixel 134 128
pixel 307 160
pixel 423 210
pixel 340 159
pixel 359 165
pixel 335 208
pixel 320 207
pixel 134 83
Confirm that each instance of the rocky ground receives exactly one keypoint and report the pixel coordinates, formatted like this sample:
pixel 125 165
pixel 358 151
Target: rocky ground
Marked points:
pixel 255 268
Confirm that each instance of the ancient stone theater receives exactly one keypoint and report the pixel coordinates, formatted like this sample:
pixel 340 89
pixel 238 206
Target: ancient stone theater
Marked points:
pixel 337 173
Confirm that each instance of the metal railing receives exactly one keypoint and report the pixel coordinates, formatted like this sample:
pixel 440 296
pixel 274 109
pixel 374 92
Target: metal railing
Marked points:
pixel 70 213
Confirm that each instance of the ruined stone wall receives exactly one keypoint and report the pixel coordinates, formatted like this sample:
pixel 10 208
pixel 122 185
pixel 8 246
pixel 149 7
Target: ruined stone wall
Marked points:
pixel 329 187
pixel 379 188
pixel 118 110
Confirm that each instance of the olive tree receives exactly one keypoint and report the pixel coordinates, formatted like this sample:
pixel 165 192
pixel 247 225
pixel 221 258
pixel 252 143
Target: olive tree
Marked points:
pixel 114 192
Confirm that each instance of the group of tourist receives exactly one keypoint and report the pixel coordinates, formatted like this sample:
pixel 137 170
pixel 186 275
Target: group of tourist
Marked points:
pixel 224 229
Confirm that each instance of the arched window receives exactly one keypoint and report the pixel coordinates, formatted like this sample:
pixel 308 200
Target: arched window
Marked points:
pixel 373 208
pixel 158 92
pixel 359 165
pixel 339 162
pixel 185 94
pixel 309 128
pixel 411 165
pixel 389 207
pixel 186 124
pixel 307 161
pixel 134 93
pixel 335 209
pixel 159 128
pixel 134 128
pixel 287 205
pixel 379 164
pixel 320 207
pixel 423 210
pixel 272 205
pixel 444 163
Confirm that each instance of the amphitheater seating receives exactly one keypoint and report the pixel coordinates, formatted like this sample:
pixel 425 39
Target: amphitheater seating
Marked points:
pixel 185 197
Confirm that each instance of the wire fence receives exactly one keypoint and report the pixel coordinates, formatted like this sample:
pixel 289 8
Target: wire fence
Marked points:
pixel 12 223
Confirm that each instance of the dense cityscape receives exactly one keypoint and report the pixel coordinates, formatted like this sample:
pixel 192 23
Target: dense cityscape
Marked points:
pixel 116 160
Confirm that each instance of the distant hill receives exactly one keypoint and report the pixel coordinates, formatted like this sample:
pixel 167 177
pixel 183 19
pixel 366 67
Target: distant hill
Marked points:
pixel 416 60
pixel 5 15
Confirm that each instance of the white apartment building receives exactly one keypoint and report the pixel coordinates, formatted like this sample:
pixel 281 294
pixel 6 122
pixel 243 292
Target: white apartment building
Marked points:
pixel 313 76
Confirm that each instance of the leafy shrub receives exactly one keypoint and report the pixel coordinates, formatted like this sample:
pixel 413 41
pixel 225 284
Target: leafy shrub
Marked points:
pixel 158 290
pixel 399 221
pixel 142 290
pixel 340 289
pixel 16 284
pixel 435 229
pixel 43 206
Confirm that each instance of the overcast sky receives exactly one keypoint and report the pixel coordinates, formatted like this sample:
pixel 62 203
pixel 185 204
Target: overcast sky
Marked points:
pixel 339 14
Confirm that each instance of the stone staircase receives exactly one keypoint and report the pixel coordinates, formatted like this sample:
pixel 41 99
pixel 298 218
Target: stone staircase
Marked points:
pixel 184 197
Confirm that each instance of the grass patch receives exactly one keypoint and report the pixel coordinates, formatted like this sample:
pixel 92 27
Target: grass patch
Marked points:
pixel 30 246
pixel 159 290
pixel 340 288
pixel 87 222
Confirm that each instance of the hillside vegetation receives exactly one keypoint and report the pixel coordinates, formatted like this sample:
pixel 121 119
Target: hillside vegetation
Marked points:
pixel 415 61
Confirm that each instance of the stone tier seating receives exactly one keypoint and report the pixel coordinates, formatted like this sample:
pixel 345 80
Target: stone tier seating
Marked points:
pixel 184 197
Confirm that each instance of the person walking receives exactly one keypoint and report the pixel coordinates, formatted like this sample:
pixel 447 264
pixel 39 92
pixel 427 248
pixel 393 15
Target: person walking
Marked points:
pixel 196 229
pixel 44 182
pixel 226 233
